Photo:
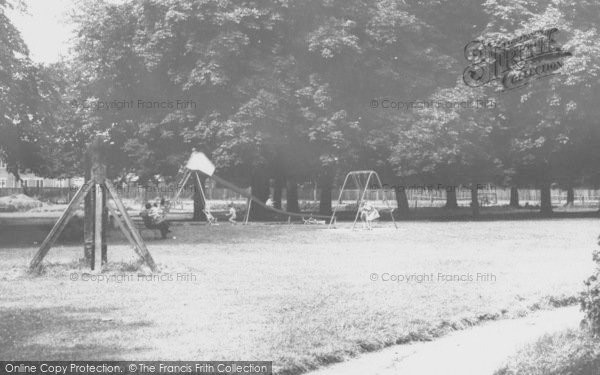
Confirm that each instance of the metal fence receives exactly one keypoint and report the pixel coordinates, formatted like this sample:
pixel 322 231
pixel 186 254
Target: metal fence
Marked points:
pixel 416 197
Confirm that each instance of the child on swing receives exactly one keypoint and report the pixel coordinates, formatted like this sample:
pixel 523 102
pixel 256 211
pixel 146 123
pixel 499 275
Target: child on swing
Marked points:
pixel 368 213
pixel 210 218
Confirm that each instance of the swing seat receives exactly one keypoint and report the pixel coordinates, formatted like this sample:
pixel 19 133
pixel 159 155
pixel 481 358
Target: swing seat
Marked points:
pixel 312 220
pixel 210 218
pixel 373 215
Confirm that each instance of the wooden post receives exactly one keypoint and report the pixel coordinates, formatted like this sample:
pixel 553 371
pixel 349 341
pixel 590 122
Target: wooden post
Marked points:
pixel 89 206
pixel 98 176
pixel 88 215
pixel 98 229
pixel 105 225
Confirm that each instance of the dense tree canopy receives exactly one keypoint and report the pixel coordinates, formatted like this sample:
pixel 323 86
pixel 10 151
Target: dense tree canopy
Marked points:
pixel 283 90
pixel 19 99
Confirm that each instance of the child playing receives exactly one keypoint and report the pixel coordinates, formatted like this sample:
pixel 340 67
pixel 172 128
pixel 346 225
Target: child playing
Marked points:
pixel 368 213
pixel 232 214
pixel 154 220
pixel 210 218
pixel 156 213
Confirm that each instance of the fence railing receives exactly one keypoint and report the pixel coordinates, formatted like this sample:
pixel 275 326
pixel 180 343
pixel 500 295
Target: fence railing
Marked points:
pixel 416 197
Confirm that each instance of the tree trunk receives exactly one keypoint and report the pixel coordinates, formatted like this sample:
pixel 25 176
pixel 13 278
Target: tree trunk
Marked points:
pixel 475 200
pixel 514 197
pixel 401 200
pixel 451 197
pixel 260 189
pixel 278 191
pixel 570 197
pixel 326 183
pixel 292 195
pixel 546 200
pixel 25 188
pixel 199 203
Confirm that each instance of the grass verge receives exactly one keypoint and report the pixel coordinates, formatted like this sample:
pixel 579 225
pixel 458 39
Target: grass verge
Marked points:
pixel 572 352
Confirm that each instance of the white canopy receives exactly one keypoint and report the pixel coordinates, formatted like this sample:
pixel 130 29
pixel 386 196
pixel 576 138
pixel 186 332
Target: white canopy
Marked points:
pixel 199 162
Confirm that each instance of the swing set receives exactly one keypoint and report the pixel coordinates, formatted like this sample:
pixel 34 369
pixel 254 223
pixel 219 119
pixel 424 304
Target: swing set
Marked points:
pixel 364 181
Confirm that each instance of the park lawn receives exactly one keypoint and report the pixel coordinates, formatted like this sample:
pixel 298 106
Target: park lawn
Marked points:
pixel 298 295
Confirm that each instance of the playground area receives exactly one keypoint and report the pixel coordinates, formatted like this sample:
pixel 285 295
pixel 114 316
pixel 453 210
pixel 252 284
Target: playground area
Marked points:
pixel 302 296
pixel 308 196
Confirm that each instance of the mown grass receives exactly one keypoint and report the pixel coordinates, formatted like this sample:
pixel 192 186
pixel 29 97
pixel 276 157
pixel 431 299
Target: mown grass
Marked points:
pixel 572 352
pixel 301 296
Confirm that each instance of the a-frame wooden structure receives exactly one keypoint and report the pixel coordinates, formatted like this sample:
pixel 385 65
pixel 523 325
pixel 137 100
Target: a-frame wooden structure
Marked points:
pixel 187 174
pixel 358 177
pixel 196 164
pixel 100 190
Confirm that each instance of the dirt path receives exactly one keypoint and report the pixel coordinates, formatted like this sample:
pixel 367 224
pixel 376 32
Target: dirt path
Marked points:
pixel 477 351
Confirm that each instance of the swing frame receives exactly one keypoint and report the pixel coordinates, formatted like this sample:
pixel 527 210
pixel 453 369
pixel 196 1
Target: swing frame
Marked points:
pixel 372 176
pixel 184 180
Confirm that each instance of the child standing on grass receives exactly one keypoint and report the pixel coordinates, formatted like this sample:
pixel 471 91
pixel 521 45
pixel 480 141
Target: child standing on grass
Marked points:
pixel 232 214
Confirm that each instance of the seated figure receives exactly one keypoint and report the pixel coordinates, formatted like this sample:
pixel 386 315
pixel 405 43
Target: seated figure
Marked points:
pixel 154 219
pixel 368 213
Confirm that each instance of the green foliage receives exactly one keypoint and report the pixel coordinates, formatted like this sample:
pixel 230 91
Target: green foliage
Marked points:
pixel 451 145
pixel 19 125
pixel 553 126
pixel 590 299
pixel 39 130
pixel 571 352
pixel 267 93
pixel 284 87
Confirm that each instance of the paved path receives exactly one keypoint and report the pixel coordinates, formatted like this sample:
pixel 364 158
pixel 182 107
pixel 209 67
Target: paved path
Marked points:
pixel 477 351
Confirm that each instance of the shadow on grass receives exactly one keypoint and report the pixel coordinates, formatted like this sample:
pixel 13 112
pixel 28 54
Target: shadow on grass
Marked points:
pixel 62 334
pixel 30 232
pixel 20 236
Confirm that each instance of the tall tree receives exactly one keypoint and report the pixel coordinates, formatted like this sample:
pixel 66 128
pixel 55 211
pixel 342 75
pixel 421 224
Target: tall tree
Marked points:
pixel 20 125
pixel 553 120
